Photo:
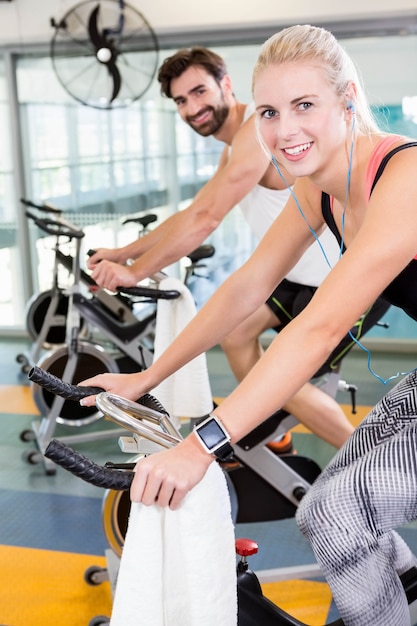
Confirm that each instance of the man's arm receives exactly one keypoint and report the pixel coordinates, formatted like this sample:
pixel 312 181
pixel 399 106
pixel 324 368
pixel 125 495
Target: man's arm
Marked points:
pixel 235 300
pixel 141 245
pixel 238 173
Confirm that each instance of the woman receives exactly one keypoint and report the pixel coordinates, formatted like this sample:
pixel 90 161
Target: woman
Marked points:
pixel 314 120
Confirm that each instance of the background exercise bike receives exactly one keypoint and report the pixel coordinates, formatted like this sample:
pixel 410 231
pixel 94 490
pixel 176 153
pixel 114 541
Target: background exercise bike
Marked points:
pixel 47 310
pixel 119 338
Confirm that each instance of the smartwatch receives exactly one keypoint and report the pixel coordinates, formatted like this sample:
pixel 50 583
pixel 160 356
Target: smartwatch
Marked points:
pixel 214 438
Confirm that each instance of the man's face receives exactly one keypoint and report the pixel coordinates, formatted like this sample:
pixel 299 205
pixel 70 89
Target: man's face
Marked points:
pixel 200 100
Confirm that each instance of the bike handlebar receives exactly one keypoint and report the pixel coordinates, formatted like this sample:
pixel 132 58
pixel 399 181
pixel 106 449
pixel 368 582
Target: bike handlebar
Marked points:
pixel 75 462
pixel 46 208
pixel 150 292
pixel 140 291
pixel 84 468
pixel 56 226
pixel 59 388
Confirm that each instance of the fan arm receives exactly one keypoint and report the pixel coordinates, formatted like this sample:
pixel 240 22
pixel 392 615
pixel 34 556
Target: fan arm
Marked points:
pixel 117 79
pixel 98 40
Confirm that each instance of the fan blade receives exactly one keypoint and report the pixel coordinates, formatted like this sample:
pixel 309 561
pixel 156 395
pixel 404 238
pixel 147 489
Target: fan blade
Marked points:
pixel 117 80
pixel 96 39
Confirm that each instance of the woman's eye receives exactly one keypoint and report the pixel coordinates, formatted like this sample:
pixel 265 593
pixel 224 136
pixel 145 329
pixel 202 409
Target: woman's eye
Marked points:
pixel 304 106
pixel 269 114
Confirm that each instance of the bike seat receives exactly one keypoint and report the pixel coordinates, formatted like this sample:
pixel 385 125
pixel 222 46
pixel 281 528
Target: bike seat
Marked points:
pixel 202 252
pixel 144 221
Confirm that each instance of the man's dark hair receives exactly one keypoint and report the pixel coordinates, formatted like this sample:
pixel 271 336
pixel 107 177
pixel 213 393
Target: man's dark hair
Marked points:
pixel 175 65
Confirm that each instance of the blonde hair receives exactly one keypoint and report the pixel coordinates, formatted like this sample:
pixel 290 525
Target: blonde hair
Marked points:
pixel 311 43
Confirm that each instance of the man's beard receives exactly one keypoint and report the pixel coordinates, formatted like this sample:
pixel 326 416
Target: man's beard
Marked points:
pixel 212 126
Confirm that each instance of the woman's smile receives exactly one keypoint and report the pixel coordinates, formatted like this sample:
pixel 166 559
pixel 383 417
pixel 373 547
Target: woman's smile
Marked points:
pixel 297 152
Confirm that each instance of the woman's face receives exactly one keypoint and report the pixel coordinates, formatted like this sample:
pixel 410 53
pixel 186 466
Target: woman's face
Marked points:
pixel 301 119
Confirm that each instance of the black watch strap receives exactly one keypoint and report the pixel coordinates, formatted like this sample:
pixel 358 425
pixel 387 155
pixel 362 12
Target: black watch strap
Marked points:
pixel 224 453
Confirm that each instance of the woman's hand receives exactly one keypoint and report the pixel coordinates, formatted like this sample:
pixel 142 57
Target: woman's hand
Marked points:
pixel 129 386
pixel 166 477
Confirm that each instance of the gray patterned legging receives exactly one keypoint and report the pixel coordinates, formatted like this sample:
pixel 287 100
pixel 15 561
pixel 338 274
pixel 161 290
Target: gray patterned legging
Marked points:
pixel 369 488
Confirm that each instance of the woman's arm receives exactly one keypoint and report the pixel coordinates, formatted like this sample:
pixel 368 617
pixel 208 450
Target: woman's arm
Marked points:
pixel 382 241
pixel 382 244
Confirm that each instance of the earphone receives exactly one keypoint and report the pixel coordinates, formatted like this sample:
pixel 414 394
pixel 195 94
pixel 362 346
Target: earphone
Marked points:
pixel 350 106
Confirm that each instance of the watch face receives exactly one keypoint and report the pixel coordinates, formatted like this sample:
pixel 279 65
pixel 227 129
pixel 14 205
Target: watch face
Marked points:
pixel 211 434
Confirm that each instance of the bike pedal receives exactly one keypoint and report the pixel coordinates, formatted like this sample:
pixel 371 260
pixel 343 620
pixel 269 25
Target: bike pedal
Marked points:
pixel 283 445
pixel 230 465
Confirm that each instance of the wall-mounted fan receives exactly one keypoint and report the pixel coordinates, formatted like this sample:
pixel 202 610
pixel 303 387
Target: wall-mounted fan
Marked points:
pixel 104 53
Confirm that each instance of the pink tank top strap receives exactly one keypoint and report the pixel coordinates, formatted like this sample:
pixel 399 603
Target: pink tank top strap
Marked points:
pixel 380 150
pixel 377 155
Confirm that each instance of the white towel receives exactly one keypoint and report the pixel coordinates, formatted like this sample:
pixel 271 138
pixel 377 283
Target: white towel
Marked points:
pixel 186 393
pixel 178 568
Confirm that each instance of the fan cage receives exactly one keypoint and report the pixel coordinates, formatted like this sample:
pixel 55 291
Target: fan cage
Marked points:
pixel 74 57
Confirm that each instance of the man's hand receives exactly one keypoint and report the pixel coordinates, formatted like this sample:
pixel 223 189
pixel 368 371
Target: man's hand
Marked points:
pixel 101 254
pixel 166 477
pixel 112 275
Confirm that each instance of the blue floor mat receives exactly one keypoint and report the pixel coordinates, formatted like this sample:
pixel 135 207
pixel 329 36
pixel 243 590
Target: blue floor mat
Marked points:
pixel 51 522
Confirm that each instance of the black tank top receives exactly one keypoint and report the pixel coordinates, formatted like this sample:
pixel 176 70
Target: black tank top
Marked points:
pixel 402 291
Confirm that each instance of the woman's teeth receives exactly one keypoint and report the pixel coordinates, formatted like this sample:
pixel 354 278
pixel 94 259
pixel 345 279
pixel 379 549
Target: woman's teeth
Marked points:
pixel 297 149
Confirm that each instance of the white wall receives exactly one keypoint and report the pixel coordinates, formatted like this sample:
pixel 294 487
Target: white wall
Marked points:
pixel 28 21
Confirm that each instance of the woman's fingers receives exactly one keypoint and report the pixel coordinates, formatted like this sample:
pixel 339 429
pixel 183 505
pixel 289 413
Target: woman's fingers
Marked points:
pixel 165 478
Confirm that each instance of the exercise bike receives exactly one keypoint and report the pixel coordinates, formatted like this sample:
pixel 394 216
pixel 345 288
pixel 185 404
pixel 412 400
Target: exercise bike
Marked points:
pixel 260 490
pixel 79 358
pixel 276 482
pixel 128 337
pixel 150 421
pixel 47 310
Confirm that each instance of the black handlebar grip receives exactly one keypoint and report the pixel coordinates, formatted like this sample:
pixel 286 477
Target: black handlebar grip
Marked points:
pixel 84 468
pixel 54 227
pixel 47 208
pixel 152 403
pixel 58 387
pixel 150 292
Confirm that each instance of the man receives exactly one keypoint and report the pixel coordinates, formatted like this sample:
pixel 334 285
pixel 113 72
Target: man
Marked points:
pixel 198 82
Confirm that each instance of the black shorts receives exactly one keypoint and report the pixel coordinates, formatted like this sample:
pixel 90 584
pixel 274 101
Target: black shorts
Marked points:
pixel 289 299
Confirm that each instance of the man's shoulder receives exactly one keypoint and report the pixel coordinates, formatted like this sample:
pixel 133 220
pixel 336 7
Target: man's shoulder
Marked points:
pixel 249 111
pixel 245 151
